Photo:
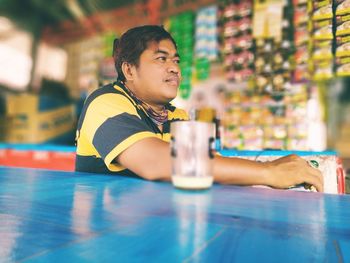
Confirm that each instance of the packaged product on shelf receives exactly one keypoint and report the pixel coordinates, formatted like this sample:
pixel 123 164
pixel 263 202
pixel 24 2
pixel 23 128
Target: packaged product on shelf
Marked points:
pixel 245 58
pixel 343 66
pixel 235 116
pixel 267 119
pixel 278 81
pixel 320 3
pixel 301 55
pixel 274 144
pixel 343 46
pixel 323 70
pixel 340 19
pixel 322 50
pixel 228 47
pixel 343 7
pixel 182 29
pixel 323 30
pixel 300 2
pixel 244 41
pixel 185 89
pixel 261 62
pixel 322 10
pixel 253 143
pixel 263 83
pixel 280 131
pixel 240 63
pixel 244 9
pixel 287 46
pixel 229 11
pixel 229 59
pixel 299 98
pixel 300 15
pixel 252 136
pixel 264 45
pixel 278 59
pixel 343 29
pixel 299 144
pixel 206 35
pixel 342 60
pixel 287 29
pixel 244 25
pixel 297 130
pixel 237 41
pixel 232 138
pixel 286 68
pixel 301 35
pixel 242 74
pixel 321 63
pixel 230 29
pixel 342 41
pixel 202 68
pixel 301 41
pixel 230 74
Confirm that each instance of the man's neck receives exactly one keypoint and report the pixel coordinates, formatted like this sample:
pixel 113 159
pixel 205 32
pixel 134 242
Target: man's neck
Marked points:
pixel 156 107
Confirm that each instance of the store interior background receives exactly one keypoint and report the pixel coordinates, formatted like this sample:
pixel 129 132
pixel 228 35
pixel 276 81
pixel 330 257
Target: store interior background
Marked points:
pixel 273 72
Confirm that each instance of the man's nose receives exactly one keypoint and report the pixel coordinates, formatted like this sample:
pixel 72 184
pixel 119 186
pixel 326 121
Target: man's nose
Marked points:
pixel 173 67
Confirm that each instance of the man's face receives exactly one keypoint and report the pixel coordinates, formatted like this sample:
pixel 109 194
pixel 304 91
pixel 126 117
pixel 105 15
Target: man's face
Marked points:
pixel 157 77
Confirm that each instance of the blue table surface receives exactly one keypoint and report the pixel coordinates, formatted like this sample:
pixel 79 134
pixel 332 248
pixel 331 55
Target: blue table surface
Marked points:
pixel 53 216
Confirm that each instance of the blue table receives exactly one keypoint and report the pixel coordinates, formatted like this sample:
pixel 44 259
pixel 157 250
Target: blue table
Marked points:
pixel 51 216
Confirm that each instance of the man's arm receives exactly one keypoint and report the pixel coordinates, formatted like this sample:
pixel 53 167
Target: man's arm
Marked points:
pixel 281 173
pixel 150 158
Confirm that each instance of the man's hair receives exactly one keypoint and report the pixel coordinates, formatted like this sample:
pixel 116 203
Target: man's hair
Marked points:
pixel 133 42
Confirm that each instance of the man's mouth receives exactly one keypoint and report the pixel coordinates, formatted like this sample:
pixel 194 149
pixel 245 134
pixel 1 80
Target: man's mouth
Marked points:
pixel 173 81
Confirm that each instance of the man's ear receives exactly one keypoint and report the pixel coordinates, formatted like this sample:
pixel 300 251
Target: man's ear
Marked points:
pixel 128 70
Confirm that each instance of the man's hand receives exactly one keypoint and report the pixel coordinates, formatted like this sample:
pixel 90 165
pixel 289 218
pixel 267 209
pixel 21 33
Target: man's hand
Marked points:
pixel 291 170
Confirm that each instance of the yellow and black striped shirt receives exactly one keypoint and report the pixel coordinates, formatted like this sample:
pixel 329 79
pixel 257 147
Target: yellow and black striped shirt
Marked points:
pixel 109 123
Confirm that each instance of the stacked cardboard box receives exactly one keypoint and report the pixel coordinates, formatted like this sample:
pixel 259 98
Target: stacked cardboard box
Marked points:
pixel 26 122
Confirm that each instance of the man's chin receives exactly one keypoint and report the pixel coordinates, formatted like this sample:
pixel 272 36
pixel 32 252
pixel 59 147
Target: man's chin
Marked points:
pixel 169 98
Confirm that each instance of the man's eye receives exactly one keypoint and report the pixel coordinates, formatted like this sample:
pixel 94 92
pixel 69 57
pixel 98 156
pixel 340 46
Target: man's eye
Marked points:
pixel 163 59
pixel 177 61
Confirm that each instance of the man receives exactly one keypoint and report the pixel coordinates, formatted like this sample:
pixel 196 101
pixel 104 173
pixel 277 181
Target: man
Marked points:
pixel 124 126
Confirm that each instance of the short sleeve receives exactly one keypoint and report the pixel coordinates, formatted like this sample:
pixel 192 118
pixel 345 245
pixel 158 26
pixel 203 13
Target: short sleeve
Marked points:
pixel 112 124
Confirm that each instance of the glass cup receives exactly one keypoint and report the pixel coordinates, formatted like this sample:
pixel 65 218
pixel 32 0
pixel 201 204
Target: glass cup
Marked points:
pixel 192 148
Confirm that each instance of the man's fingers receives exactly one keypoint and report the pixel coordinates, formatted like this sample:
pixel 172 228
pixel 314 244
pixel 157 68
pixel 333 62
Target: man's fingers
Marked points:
pixel 315 178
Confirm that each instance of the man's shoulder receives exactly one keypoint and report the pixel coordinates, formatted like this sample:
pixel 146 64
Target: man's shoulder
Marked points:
pixel 108 89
